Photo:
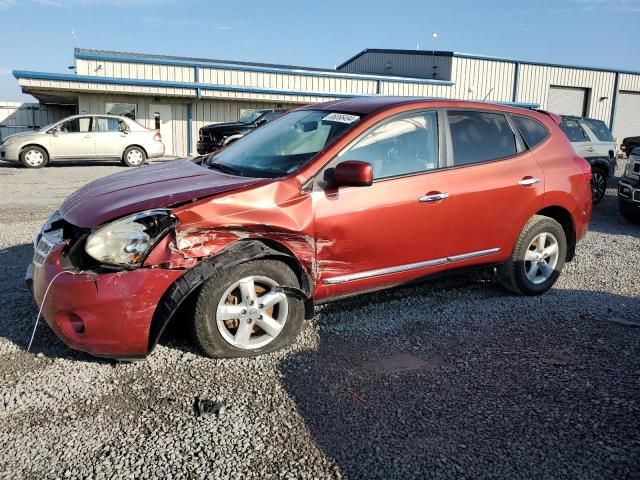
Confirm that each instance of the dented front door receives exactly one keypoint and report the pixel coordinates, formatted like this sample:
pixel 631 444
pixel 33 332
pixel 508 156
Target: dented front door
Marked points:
pixel 379 235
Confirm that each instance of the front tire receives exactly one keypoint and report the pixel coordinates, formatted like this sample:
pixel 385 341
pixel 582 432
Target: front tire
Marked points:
pixel 134 157
pixel 34 157
pixel 537 258
pixel 599 180
pixel 241 312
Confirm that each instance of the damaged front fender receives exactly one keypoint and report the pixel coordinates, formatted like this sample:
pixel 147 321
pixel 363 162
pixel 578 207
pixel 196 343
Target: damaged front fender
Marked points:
pixel 235 254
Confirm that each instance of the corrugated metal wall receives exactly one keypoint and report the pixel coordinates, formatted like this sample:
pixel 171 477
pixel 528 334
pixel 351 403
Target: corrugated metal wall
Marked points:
pixel 18 117
pixel 103 68
pixel 92 103
pixel 204 112
pixel 419 65
pixel 535 80
pixel 282 81
pixel 483 79
pixel 473 79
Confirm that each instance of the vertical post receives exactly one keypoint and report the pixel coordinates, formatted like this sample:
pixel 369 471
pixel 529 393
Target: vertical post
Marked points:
pixel 516 80
pixel 189 129
pixel 614 101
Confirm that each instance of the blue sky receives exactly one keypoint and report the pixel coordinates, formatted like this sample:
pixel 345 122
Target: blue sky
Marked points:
pixel 36 34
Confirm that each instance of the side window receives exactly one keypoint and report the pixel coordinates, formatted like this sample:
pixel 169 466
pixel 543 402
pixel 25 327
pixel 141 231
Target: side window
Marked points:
pixel 401 146
pixel 600 129
pixel 573 130
pixel 480 137
pixel 108 124
pixel 76 125
pixel 532 131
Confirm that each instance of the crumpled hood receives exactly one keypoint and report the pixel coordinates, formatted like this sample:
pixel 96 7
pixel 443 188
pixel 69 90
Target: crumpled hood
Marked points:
pixel 157 186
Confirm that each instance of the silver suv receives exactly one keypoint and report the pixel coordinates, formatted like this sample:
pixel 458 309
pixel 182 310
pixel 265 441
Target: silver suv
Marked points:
pixel 592 140
pixel 84 137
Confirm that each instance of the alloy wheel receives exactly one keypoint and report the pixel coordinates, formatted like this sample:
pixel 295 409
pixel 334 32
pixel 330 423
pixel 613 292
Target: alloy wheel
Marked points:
pixel 541 258
pixel 598 186
pixel 252 313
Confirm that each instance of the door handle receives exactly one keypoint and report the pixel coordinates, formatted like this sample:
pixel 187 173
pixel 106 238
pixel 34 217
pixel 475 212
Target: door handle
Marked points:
pixel 433 197
pixel 526 181
pixel 87 136
pixel 591 149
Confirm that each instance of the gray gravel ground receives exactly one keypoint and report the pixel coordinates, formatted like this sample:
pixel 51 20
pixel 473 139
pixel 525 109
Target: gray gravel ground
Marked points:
pixel 450 379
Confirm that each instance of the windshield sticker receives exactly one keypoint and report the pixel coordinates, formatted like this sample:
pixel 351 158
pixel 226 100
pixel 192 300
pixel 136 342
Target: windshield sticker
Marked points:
pixel 341 118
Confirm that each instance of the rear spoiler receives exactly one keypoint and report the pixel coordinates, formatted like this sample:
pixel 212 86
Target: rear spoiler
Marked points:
pixel 554 116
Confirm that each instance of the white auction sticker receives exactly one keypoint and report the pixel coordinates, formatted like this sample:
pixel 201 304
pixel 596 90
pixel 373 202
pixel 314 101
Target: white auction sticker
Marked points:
pixel 341 117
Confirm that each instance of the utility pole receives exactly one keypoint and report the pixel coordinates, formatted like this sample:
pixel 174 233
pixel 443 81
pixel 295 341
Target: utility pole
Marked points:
pixel 434 36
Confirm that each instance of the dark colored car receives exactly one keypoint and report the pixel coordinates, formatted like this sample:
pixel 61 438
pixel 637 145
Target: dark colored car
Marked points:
pixel 214 137
pixel 629 188
pixel 628 144
pixel 325 202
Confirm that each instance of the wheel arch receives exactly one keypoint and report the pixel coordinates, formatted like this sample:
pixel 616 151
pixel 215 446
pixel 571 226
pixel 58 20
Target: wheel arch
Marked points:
pixel 146 154
pixel 186 287
pixel 565 219
pixel 602 164
pixel 33 144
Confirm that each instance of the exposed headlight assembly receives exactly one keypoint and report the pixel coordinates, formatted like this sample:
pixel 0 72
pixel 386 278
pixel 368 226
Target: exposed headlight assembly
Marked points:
pixel 127 242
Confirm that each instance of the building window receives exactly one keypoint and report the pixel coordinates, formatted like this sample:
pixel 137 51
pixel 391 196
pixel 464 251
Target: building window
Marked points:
pixel 124 109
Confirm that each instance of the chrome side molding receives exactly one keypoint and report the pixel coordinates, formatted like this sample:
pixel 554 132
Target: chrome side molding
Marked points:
pixel 407 267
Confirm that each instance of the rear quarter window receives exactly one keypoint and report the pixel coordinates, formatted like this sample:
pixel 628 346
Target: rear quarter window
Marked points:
pixel 480 137
pixel 531 130
pixel 573 130
pixel 599 129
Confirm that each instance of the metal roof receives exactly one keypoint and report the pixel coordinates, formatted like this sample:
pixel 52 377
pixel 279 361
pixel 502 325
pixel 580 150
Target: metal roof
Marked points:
pixel 154 58
pixel 107 55
pixel 483 57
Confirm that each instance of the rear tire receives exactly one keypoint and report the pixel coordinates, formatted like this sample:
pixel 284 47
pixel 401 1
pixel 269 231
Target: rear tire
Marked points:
pixel 240 313
pixel 599 181
pixel 134 157
pixel 537 258
pixel 34 157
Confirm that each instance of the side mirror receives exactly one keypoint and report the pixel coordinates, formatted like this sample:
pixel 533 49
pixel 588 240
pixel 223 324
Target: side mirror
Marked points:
pixel 352 173
pixel 261 122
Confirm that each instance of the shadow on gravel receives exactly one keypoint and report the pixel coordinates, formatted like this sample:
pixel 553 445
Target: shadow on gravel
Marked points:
pixel 18 311
pixel 474 384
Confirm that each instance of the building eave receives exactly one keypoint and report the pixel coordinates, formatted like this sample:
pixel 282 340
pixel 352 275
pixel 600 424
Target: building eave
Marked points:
pixel 288 70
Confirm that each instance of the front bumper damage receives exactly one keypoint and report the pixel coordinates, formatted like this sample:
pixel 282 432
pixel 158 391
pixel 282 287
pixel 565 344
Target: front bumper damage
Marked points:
pixel 106 314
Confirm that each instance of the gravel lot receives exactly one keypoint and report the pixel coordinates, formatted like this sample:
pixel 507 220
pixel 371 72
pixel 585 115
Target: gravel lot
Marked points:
pixel 450 379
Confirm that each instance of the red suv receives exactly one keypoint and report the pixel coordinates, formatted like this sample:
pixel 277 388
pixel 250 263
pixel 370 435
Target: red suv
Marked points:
pixel 325 202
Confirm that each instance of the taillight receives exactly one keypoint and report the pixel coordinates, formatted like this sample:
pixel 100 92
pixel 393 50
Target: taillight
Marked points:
pixel 585 166
pixel 157 137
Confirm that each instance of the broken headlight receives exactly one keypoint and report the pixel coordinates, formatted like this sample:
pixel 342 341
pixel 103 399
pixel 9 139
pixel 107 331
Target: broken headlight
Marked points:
pixel 127 241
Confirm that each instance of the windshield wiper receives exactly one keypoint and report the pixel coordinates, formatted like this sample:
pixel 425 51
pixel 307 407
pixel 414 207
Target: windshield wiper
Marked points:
pixel 226 169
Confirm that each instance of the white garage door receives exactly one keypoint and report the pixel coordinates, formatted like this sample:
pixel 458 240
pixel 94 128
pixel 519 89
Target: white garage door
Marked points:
pixel 627 120
pixel 567 101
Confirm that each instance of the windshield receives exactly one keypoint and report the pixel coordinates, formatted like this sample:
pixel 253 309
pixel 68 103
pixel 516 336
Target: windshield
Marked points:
pixel 251 117
pixel 282 146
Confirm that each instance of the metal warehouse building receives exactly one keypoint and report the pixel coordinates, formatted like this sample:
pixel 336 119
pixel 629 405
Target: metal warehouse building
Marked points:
pixel 178 95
